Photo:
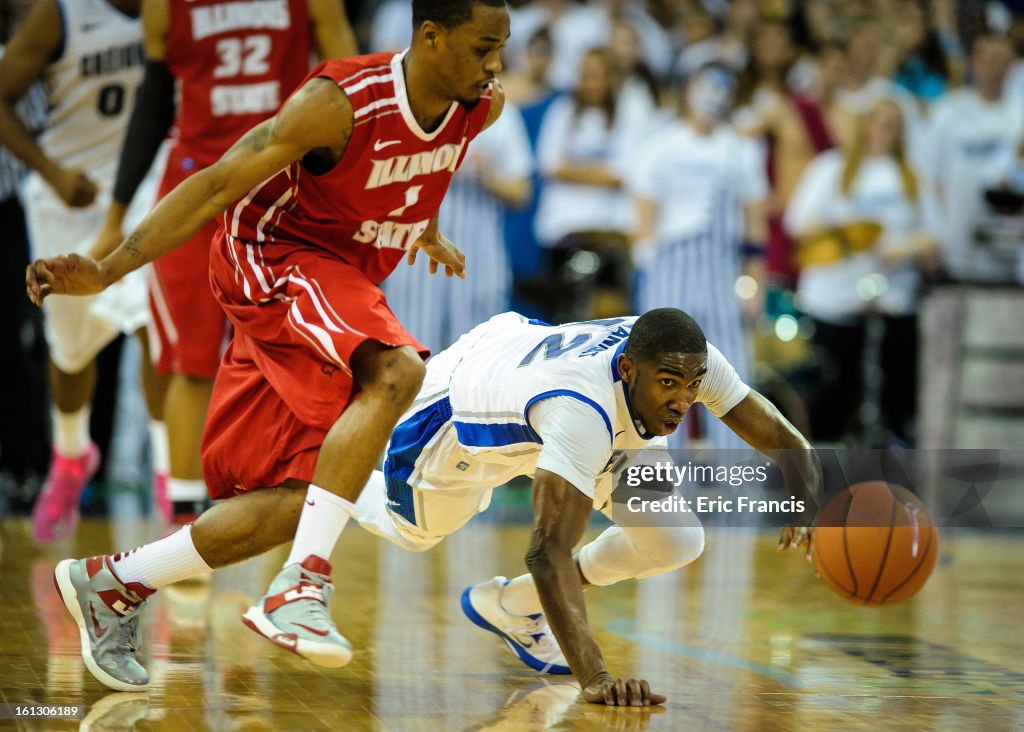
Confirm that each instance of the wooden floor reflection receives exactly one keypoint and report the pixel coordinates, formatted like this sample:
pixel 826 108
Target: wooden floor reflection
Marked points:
pixel 743 639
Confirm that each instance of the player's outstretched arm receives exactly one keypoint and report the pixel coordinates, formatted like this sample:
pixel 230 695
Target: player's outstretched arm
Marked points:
pixel 317 118
pixel 763 427
pixel 560 515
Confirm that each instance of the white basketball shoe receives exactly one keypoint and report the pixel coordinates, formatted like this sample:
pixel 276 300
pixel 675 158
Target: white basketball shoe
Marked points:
pixel 528 636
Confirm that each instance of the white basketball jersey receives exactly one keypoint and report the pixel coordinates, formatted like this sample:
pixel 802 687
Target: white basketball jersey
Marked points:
pixel 471 428
pixel 92 87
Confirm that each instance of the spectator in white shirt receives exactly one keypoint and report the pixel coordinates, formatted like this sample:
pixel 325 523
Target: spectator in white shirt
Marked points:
pixel 871 185
pixel 977 131
pixel 584 148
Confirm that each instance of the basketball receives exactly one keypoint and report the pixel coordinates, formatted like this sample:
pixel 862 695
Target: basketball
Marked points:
pixel 875 544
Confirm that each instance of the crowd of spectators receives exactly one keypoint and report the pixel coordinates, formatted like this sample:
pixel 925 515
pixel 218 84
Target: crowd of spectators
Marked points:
pixel 843 156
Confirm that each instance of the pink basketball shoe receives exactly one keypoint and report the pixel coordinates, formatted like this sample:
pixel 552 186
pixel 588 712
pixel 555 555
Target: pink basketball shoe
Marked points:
pixel 55 514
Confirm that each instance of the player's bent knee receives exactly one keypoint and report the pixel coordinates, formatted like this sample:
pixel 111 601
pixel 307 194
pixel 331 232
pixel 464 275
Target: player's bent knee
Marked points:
pixel 398 375
pixel 687 544
pixel 621 553
pixel 670 547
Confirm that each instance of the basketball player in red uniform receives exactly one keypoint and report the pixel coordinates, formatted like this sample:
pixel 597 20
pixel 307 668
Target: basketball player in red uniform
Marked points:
pixel 234 64
pixel 319 203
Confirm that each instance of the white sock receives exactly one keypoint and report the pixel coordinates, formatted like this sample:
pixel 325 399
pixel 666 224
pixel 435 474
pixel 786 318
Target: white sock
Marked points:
pixel 185 490
pixel 71 432
pixel 324 515
pixel 159 450
pixel 170 559
pixel 519 597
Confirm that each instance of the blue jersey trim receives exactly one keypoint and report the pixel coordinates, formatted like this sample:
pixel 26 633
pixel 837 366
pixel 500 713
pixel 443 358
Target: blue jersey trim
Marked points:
pixel 495 434
pixel 574 395
pixel 632 416
pixel 616 376
pixel 407 443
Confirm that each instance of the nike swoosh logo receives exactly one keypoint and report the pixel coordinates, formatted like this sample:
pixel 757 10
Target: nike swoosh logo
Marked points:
pixel 381 144
pixel 321 633
pixel 98 629
pixel 310 503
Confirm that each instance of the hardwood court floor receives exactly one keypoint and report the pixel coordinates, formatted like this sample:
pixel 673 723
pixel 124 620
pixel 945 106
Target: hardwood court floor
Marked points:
pixel 742 639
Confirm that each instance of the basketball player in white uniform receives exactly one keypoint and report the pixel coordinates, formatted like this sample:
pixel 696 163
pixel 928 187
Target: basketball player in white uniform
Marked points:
pixel 90 55
pixel 517 397
pixel 494 176
pixel 699 188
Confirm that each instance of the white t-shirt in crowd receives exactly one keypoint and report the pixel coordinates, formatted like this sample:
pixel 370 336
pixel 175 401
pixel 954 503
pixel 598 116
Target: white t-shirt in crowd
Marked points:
pixel 973 143
pixel 830 292
pixel 686 173
pixel 585 137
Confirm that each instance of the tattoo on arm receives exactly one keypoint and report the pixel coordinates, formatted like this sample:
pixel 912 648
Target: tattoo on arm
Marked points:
pixel 257 138
pixel 132 245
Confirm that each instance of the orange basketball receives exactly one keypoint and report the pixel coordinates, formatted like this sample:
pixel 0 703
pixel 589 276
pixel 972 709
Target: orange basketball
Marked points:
pixel 875 544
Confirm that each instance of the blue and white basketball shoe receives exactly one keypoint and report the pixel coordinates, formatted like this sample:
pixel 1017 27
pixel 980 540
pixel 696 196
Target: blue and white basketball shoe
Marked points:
pixel 528 636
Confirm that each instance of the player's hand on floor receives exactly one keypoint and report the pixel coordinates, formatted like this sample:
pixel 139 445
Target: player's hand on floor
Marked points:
pixel 608 690
pixel 793 537
pixel 74 187
pixel 66 274
pixel 441 252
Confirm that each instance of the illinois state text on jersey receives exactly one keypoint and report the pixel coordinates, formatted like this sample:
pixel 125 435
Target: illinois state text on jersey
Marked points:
pixel 380 196
pixel 236 61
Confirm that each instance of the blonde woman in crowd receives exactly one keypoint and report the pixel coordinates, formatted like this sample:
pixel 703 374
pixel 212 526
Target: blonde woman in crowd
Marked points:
pixel 861 219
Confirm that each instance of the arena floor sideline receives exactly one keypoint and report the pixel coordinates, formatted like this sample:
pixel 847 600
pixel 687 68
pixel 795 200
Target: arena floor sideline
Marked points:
pixel 744 639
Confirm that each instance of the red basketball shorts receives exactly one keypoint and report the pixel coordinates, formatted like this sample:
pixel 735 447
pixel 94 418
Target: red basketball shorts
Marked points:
pixel 299 313
pixel 189 329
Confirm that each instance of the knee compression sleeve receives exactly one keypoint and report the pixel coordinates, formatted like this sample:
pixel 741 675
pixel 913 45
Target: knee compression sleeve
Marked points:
pixel 636 552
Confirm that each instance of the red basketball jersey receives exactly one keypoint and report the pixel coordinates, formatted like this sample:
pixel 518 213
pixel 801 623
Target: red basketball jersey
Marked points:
pixel 235 61
pixel 386 187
